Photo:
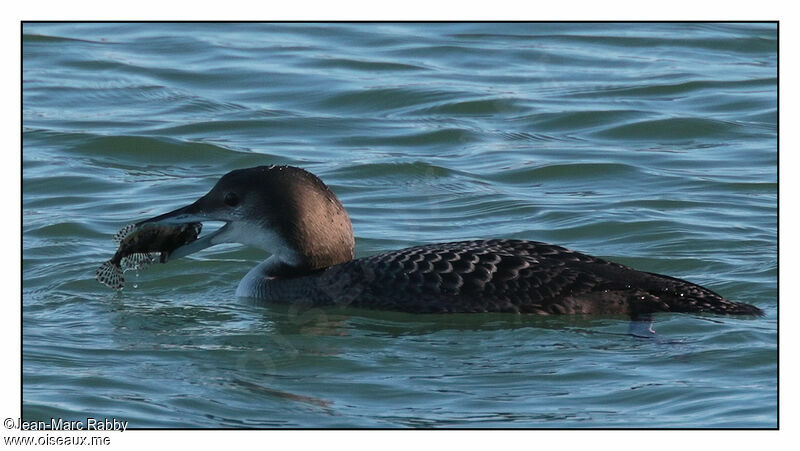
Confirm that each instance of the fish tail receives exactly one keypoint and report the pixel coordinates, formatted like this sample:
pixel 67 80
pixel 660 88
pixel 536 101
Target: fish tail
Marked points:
pixel 110 275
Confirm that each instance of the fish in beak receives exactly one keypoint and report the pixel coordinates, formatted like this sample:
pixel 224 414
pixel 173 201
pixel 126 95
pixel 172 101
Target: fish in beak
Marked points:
pixel 190 214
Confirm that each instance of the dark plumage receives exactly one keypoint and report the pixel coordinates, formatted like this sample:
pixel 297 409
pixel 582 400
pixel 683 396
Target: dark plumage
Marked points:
pixel 497 276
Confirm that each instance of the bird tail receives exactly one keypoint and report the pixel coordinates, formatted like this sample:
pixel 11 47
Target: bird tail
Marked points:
pixel 686 297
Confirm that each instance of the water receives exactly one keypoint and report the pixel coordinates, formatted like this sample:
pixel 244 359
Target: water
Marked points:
pixel 653 145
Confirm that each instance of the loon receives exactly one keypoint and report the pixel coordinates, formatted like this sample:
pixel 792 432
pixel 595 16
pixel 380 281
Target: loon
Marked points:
pixel 290 213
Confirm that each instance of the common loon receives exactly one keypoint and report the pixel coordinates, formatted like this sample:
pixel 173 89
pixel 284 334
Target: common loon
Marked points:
pixel 294 216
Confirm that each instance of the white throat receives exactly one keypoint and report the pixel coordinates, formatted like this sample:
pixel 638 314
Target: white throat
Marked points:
pixel 262 238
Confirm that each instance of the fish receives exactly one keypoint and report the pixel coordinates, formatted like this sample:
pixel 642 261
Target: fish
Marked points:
pixel 142 245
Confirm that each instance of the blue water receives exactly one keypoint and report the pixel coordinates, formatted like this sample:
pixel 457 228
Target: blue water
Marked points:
pixel 653 145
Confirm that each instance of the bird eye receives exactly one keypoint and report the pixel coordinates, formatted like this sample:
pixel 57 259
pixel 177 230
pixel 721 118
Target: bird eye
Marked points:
pixel 231 199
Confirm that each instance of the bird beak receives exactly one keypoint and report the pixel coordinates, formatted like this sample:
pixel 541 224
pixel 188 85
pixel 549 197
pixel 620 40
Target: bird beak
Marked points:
pixel 189 214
